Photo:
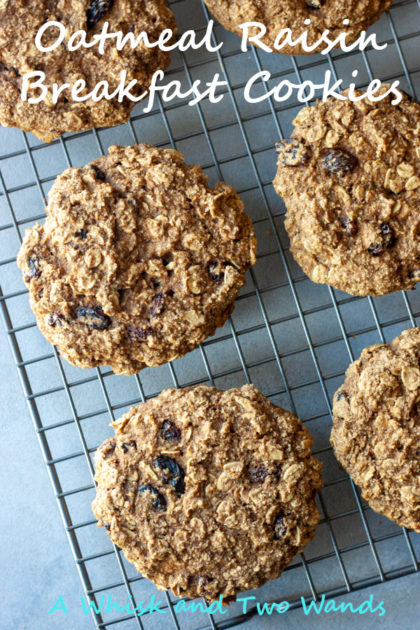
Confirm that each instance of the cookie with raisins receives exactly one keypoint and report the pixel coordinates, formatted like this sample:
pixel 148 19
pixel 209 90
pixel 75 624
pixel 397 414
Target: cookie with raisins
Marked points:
pixel 376 429
pixel 350 179
pixel 19 24
pixel 312 17
pixel 208 492
pixel 138 261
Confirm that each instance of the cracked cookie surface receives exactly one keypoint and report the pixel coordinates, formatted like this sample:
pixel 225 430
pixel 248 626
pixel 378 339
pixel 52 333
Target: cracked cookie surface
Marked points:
pixel 208 492
pixel 291 14
pixel 138 261
pixel 376 430
pixel 350 179
pixel 19 24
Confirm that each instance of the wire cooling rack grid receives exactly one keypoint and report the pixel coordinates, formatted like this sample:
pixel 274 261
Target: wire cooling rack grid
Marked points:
pixel 291 338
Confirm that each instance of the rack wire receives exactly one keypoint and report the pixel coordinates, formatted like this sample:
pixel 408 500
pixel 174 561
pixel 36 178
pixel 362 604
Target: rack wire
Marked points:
pixel 291 338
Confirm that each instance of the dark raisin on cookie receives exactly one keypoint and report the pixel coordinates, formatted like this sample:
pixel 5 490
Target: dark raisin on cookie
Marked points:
pixel 55 319
pixel 128 446
pixel 414 274
pixel 315 4
pixel 4 68
pixel 170 432
pixel 98 173
pixel 291 152
pixel 280 527
pixel 338 162
pixel 388 237
pixel 82 233
pixel 139 334
pixel 386 240
pixel 108 448
pixel 203 583
pixel 93 317
pixel 340 395
pixel 158 304
pixel 159 501
pixel 258 473
pixel 96 10
pixel 34 270
pixel 172 473
pixel 375 249
pixel 215 271
pixel 349 225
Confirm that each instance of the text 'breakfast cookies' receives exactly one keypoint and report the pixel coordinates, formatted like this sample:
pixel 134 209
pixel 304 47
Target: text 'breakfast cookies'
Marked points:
pixel 19 23
pixel 208 493
pixel 376 431
pixel 350 179
pixel 138 260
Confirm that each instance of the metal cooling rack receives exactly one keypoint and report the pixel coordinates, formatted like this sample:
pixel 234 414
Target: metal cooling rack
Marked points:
pixel 291 338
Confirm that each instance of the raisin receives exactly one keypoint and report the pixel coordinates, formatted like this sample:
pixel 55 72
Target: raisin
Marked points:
pixel 96 10
pixel 4 68
pixel 203 583
pixel 98 173
pixel 108 448
pixel 158 304
pixel 342 395
pixel 349 225
pixel 82 233
pixel 280 527
pixel 386 240
pixel 34 270
pixel 128 446
pixel 94 316
pixel 159 501
pixel 375 249
pixel 339 162
pixel 388 237
pixel 170 432
pixel 172 473
pixel 107 526
pixel 315 4
pixel 258 473
pixel 291 152
pixel 139 334
pixel 215 271
pixel 414 274
pixel 54 319
pixel 156 283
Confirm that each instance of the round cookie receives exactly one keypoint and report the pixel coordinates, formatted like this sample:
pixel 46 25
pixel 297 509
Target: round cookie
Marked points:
pixel 19 24
pixel 350 178
pixel 291 14
pixel 208 492
pixel 138 261
pixel 376 430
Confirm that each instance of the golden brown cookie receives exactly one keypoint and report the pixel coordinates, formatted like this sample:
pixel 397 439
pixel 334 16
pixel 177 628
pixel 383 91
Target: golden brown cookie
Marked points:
pixel 19 23
pixel 208 492
pixel 350 179
pixel 376 431
pixel 138 260
pixel 291 14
